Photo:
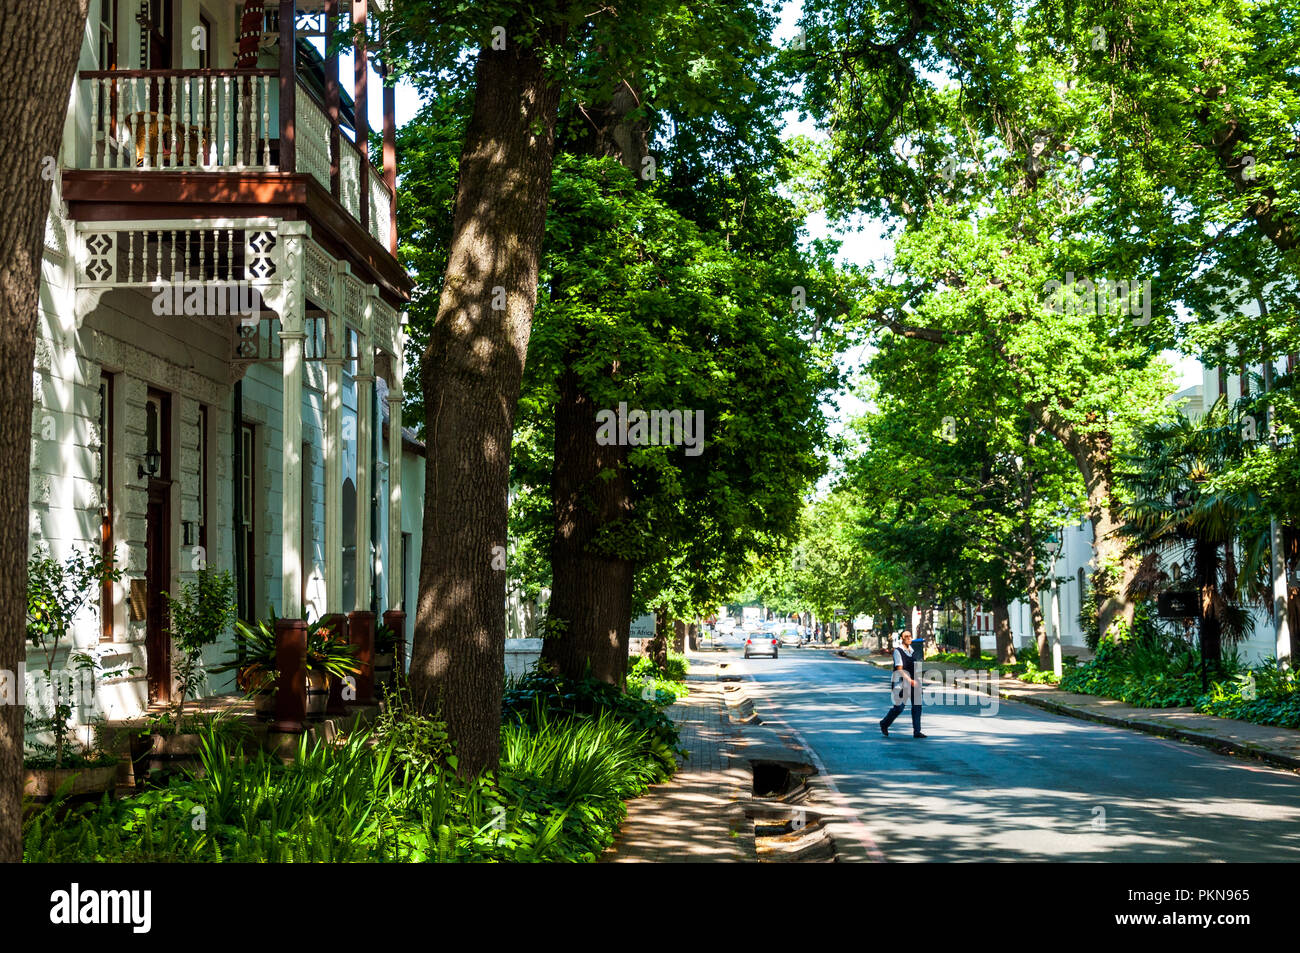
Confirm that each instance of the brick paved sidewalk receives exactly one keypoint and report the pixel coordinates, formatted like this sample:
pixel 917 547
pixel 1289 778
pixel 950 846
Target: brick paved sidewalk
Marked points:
pixel 690 818
pixel 1269 743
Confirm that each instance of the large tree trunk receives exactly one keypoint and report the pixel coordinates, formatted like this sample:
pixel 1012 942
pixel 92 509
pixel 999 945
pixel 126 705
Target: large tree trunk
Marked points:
pixel 591 593
pixel 1006 647
pixel 39 43
pixel 471 376
pixel 658 647
pixel 679 636
pixel 1040 629
pixel 1116 566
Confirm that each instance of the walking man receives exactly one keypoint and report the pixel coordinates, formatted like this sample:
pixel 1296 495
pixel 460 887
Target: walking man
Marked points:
pixel 904 684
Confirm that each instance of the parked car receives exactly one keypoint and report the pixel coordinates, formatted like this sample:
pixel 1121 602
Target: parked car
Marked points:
pixel 761 644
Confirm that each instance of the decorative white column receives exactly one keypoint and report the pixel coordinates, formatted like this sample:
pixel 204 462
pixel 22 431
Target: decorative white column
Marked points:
pixel 335 341
pixel 395 570
pixel 365 379
pixel 294 235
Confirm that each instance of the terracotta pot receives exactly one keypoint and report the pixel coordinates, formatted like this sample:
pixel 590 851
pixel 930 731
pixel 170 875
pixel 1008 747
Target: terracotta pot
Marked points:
pixel 170 754
pixel 318 693
pixel 264 703
pixel 384 667
pixel 45 782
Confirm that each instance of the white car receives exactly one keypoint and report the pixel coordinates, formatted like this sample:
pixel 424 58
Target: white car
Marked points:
pixel 789 634
pixel 761 643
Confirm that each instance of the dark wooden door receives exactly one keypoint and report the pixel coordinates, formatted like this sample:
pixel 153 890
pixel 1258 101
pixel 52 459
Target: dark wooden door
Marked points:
pixel 158 650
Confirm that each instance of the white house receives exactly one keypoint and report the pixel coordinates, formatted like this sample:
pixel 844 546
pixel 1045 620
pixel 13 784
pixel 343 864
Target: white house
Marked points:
pixel 1074 566
pixel 219 362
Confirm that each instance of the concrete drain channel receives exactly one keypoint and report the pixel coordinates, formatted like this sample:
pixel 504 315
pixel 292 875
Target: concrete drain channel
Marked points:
pixel 787 827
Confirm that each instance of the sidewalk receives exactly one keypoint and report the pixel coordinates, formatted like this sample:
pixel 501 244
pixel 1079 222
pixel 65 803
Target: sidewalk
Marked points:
pixel 691 818
pixel 1278 746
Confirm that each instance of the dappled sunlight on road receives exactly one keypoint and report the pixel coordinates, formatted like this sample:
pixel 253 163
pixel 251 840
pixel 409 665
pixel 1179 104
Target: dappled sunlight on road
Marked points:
pixel 1021 783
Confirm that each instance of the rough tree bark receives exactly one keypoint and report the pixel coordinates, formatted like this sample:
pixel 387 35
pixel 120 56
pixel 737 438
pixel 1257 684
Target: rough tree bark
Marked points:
pixel 471 375
pixel 1205 560
pixel 590 613
pixel 657 648
pixel 39 43
pixel 1002 632
pixel 1114 565
pixel 591 593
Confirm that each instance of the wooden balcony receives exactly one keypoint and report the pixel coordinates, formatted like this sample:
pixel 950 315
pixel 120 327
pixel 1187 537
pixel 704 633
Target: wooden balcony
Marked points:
pixel 147 122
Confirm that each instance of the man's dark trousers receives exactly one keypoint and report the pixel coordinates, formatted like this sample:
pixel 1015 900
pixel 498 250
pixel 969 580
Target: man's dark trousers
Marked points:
pixel 898 710
pixel 901 689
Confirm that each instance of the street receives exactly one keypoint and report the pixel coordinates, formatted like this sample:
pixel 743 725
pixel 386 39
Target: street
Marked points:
pixel 1018 783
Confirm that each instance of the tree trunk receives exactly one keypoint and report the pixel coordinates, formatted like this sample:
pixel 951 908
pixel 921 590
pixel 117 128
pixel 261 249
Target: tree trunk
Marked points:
pixel 657 649
pixel 1006 651
pixel 971 636
pixel 692 636
pixel 679 636
pixel 39 43
pixel 471 376
pixel 591 593
pixel 1093 455
pixel 1040 629
pixel 1205 561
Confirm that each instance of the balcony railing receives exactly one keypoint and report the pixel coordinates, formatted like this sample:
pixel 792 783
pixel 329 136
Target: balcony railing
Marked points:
pixel 222 121
pixel 211 120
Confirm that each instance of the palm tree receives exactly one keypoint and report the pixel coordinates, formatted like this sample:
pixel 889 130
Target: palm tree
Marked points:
pixel 1176 510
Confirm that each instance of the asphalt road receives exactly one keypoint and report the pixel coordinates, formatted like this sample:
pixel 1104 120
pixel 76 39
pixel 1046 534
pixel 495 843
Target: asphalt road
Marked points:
pixel 1016 783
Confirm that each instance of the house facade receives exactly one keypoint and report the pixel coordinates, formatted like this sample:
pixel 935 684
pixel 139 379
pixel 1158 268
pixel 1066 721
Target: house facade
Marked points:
pixel 1073 568
pixel 218 374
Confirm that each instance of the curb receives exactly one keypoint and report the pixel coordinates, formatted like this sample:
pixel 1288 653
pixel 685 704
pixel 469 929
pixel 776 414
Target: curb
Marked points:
pixel 1160 729
pixel 850 838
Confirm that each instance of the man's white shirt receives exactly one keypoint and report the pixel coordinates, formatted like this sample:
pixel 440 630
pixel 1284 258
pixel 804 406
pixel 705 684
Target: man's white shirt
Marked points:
pixel 900 692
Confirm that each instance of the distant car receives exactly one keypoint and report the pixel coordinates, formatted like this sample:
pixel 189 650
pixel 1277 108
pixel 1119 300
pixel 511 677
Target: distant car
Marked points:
pixel 760 643
pixel 751 627
pixel 790 635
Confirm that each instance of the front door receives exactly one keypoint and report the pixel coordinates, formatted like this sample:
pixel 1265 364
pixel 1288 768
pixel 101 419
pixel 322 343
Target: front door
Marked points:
pixel 158 648
pixel 158 552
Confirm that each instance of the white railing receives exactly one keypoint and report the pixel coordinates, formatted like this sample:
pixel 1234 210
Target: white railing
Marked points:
pixel 311 138
pixel 213 120
pixel 380 204
pixel 350 179
pixel 145 253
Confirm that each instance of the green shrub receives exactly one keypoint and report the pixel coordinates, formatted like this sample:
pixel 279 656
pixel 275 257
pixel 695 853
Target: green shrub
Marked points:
pixel 1275 701
pixel 1144 668
pixel 570 754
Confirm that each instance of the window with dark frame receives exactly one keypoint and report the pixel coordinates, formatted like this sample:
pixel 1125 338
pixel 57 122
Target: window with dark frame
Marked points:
pixel 107 34
pixel 305 532
pixel 205 51
pixel 203 479
pixel 106 501
pixel 244 533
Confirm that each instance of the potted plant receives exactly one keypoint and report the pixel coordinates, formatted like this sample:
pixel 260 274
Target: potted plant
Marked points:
pixel 56 595
pixel 254 663
pixel 328 657
pixel 204 610
pixel 385 665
